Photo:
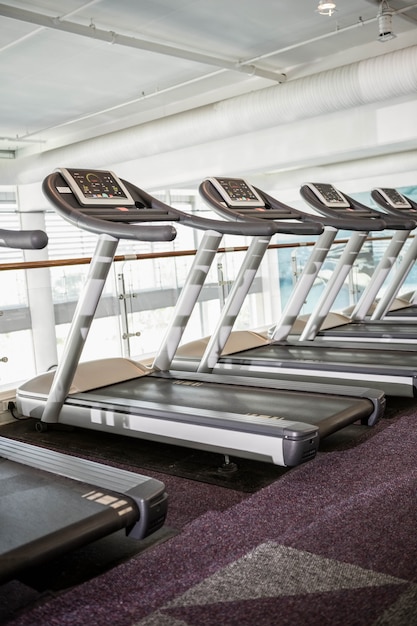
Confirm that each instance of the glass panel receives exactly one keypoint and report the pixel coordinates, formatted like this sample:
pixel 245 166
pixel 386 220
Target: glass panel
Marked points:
pixel 16 358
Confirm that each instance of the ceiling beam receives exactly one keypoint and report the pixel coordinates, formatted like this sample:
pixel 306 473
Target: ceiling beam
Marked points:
pixel 112 37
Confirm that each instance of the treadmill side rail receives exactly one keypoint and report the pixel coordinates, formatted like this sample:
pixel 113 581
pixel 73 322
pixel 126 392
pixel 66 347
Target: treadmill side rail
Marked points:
pixel 148 493
pixel 152 501
pixel 297 451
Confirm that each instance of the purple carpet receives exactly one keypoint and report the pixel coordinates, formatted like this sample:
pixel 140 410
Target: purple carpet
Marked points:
pixel 332 542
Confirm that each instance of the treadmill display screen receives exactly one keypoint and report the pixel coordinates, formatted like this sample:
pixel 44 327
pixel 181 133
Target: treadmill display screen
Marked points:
pixel 329 195
pixel 394 198
pixel 237 192
pixel 96 187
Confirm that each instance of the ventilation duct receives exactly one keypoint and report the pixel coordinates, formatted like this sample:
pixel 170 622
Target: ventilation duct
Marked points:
pixel 382 78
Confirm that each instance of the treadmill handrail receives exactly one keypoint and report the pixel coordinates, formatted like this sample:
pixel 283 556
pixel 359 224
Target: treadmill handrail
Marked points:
pixel 394 221
pixel 380 200
pixel 23 239
pixel 304 219
pixel 331 220
pixel 204 223
pixel 313 227
pixel 366 218
pixel 143 202
pixel 99 226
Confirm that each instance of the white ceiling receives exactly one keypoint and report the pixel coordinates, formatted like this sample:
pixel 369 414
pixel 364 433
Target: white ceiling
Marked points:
pixel 73 69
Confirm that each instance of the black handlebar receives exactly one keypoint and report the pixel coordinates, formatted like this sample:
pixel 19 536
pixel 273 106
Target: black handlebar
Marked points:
pixel 64 202
pixel 235 227
pixel 273 215
pixel 23 239
pixel 333 221
pixel 392 211
pixel 277 211
pixel 358 215
pixel 143 208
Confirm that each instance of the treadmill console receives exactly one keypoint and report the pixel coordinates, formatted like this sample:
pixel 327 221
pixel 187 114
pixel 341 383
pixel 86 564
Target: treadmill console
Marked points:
pixel 394 198
pixel 96 187
pixel 329 195
pixel 98 201
pixel 231 197
pixel 237 192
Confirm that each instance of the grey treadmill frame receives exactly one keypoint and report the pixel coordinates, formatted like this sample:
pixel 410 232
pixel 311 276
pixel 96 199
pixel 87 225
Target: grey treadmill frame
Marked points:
pixel 56 407
pixel 386 301
pixel 404 383
pixel 403 223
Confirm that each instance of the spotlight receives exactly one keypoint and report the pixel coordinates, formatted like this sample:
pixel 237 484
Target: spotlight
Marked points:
pixel 326 8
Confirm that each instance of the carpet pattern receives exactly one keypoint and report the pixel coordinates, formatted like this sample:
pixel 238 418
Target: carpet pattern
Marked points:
pixel 273 576
pixel 331 542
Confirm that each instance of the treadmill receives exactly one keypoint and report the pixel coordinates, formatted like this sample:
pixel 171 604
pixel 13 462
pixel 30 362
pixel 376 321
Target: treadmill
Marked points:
pixel 391 306
pixel 282 353
pixel 268 420
pixel 51 503
pixel 324 325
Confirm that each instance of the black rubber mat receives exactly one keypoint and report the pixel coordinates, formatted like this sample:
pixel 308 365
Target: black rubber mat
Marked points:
pixel 142 456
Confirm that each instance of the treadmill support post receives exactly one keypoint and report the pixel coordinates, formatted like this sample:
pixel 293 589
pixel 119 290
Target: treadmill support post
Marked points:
pixel 379 275
pixel 187 300
pixel 234 302
pixel 83 317
pixel 398 279
pixel 304 285
pixel 334 285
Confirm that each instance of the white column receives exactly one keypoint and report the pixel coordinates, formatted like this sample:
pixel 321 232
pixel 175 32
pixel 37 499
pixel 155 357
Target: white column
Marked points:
pixel 32 206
